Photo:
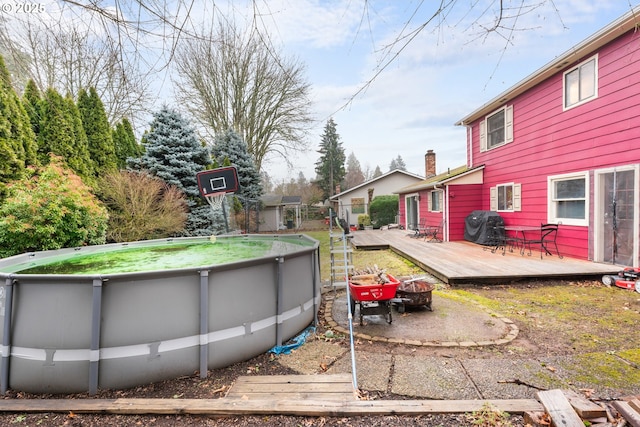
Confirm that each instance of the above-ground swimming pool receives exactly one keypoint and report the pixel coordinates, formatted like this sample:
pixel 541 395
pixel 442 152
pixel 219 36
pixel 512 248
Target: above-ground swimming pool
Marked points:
pixel 120 315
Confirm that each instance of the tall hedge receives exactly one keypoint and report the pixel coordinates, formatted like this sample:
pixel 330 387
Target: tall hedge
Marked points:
pixel 17 141
pixel 61 133
pixel 98 132
pixel 383 210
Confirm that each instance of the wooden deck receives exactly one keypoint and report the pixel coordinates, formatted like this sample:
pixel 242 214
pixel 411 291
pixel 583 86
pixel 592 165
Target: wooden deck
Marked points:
pixel 466 262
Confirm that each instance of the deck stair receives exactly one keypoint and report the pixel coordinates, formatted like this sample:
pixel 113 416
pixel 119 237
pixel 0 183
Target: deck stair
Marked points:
pixel 337 387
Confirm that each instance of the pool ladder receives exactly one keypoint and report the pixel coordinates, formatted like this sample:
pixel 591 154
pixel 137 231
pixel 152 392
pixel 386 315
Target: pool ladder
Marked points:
pixel 341 256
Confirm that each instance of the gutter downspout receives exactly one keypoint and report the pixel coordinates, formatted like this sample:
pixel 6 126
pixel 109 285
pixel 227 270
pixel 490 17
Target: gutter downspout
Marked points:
pixel 445 226
pixel 469 146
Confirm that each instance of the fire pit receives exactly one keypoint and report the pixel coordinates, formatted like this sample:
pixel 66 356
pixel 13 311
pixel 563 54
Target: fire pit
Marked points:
pixel 414 293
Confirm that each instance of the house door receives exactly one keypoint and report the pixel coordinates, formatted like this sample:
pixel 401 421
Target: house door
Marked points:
pixel 616 223
pixel 411 205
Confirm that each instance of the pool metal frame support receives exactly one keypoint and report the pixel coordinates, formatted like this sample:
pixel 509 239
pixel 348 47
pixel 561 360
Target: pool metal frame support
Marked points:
pixel 315 262
pixel 94 353
pixel 279 301
pixel 204 323
pixel 6 337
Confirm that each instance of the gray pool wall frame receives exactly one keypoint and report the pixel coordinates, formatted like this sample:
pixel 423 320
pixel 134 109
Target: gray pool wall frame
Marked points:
pixel 79 333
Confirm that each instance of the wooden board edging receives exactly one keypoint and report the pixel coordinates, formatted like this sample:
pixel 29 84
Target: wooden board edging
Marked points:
pixel 264 407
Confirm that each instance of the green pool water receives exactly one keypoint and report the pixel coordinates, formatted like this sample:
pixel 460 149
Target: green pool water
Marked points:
pixel 157 257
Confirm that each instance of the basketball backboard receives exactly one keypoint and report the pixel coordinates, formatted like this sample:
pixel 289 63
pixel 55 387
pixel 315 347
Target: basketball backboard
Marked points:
pixel 220 180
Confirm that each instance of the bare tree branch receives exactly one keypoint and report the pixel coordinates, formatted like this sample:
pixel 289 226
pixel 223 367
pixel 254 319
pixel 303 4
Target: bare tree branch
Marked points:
pixel 230 80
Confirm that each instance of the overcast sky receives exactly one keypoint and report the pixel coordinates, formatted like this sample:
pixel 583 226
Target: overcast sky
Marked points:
pixel 394 74
pixel 449 69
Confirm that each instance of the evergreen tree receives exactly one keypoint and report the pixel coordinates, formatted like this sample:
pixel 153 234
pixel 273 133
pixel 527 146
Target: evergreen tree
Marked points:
pixel 354 175
pixel 377 172
pixel 229 145
pixel 174 154
pixel 330 167
pixel 124 142
pixel 397 163
pixel 17 142
pixel 61 133
pixel 96 127
pixel 31 100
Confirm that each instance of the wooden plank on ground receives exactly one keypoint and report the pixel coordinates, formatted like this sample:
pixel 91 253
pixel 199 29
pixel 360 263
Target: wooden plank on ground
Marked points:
pixel 559 409
pixel 634 403
pixel 315 387
pixel 583 406
pixel 627 412
pixel 226 406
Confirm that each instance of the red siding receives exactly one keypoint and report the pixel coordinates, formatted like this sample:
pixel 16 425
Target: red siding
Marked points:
pixel 604 132
pixel 464 200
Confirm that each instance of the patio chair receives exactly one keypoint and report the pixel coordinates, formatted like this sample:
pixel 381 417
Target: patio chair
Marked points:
pixel 548 234
pixel 432 232
pixel 418 231
pixel 496 239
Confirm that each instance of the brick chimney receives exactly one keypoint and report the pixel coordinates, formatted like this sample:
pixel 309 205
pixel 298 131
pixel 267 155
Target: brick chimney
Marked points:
pixel 430 164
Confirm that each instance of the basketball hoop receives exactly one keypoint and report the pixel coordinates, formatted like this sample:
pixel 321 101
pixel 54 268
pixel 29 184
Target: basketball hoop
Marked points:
pixel 214 185
pixel 215 200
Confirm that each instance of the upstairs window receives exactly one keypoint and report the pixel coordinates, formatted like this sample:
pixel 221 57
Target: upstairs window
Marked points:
pixel 581 83
pixel 496 129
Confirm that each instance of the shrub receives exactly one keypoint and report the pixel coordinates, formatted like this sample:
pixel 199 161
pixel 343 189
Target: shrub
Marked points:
pixel 141 206
pixel 383 210
pixel 364 220
pixel 51 208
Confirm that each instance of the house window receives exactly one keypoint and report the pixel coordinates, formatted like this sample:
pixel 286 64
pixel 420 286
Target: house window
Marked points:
pixel 435 201
pixel 357 205
pixel 506 198
pixel 581 83
pixel 497 129
pixel 568 199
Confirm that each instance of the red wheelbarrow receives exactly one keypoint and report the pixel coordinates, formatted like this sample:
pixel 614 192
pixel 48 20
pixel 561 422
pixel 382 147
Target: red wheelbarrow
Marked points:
pixel 371 296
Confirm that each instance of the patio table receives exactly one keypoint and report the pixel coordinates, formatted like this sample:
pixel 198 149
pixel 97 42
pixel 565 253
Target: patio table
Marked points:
pixel 520 233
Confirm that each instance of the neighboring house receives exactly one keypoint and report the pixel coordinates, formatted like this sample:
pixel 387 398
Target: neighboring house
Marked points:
pixel 280 212
pixel 563 146
pixel 355 201
pixel 444 199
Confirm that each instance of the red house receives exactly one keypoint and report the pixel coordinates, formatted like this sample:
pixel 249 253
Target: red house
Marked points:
pixel 561 146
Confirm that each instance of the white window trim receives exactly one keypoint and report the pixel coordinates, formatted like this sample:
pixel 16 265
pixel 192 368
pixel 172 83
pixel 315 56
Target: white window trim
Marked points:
pixel 516 197
pixel 551 211
pixel 508 128
pixel 565 107
pixel 440 200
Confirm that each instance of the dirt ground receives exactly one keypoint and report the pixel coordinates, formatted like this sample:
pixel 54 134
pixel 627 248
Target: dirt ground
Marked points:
pixel 539 335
